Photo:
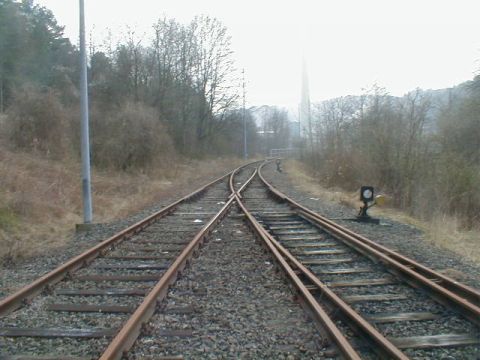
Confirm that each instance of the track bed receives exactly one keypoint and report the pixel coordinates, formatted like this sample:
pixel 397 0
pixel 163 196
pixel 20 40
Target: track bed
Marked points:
pixel 230 303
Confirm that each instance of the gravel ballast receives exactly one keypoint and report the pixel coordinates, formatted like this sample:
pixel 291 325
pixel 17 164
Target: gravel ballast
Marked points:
pixel 231 302
pixel 399 237
pixel 16 275
pixel 404 238
pixel 164 240
pixel 241 307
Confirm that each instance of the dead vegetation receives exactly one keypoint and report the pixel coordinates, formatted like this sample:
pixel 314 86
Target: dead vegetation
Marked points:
pixel 442 230
pixel 37 122
pixel 130 138
pixel 134 164
pixel 40 199
pixel 421 148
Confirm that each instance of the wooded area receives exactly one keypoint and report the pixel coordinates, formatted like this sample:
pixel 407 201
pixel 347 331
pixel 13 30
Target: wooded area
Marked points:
pixel 175 91
pixel 421 149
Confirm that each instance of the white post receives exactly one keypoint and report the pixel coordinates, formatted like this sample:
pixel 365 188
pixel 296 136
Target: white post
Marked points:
pixel 86 186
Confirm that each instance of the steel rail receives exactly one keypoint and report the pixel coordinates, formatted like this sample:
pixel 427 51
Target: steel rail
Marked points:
pixel 128 334
pixel 457 294
pixel 230 182
pixel 22 296
pixel 380 344
pixel 320 314
pixel 130 331
pixel 461 289
pixel 245 184
pixel 234 172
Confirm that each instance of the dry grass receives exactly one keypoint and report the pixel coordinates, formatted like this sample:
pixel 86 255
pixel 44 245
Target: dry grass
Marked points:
pixel 119 194
pixel 40 199
pixel 300 176
pixel 447 233
pixel 442 231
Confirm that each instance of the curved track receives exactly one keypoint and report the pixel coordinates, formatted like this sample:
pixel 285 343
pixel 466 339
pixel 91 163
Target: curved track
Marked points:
pixel 385 299
pixel 367 301
pixel 108 292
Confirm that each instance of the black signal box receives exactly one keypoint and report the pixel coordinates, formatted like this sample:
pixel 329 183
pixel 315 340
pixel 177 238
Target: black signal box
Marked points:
pixel 366 194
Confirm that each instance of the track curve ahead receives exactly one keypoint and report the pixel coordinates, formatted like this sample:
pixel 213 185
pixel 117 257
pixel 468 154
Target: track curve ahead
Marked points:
pixel 366 300
pixel 383 297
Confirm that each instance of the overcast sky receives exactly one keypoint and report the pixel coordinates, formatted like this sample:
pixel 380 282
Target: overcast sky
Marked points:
pixel 348 44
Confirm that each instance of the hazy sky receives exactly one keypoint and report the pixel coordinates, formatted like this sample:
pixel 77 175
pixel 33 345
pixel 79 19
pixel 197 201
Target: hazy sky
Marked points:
pixel 348 44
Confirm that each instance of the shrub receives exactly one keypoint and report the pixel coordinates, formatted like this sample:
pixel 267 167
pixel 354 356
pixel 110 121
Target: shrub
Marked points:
pixel 131 137
pixel 36 121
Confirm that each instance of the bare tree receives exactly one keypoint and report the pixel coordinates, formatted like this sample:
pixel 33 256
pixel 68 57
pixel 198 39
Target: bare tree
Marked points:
pixel 214 73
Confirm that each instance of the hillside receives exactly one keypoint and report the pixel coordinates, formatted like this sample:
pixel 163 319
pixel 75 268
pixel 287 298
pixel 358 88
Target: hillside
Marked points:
pixel 41 197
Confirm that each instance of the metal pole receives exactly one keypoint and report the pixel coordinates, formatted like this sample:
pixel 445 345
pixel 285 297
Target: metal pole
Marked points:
pixel 86 186
pixel 245 154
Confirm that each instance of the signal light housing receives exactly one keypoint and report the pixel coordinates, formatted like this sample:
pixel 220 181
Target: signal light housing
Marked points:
pixel 367 194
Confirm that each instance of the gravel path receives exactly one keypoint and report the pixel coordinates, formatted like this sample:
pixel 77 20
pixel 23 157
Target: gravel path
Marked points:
pixel 403 238
pixel 238 307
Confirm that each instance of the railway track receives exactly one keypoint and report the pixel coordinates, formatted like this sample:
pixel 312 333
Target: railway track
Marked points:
pixel 230 303
pixel 367 301
pixel 97 302
pixel 379 303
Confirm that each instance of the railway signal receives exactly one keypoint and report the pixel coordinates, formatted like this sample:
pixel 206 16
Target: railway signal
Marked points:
pixel 367 197
pixel 366 193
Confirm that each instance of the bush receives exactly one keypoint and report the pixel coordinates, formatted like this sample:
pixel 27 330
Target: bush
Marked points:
pixel 131 137
pixel 426 161
pixel 36 121
pixel 456 185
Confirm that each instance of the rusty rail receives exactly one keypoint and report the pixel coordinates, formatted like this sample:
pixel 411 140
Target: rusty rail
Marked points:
pixel 239 191
pixel 245 184
pixel 334 334
pixel 459 295
pixel 22 296
pixel 285 259
pixel 128 334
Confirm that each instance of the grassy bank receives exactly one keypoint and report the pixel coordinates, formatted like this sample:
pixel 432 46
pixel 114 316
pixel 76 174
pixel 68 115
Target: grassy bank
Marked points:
pixel 40 198
pixel 442 231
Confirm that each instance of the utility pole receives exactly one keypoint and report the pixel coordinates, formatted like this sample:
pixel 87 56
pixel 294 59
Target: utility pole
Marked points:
pixel 86 186
pixel 245 154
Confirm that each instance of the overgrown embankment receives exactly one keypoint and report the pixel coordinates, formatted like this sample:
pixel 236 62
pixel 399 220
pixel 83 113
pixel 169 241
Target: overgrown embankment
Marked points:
pixel 444 231
pixel 41 197
pixel 153 106
pixel 421 149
